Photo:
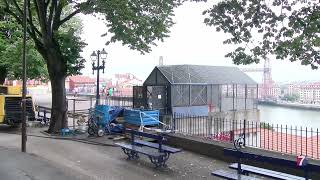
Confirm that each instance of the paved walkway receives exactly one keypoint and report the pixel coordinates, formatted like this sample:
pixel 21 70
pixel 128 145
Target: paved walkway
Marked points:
pixel 87 161
pixel 15 165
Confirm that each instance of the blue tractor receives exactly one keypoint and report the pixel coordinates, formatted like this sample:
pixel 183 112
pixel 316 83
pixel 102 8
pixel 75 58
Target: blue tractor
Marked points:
pixel 100 118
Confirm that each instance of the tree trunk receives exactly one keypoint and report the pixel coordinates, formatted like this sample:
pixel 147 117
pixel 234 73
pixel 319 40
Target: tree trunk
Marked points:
pixel 3 74
pixel 59 105
pixel 57 74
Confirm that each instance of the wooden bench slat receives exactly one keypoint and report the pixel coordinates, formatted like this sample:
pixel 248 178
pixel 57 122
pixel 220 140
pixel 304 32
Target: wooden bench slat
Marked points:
pixel 143 150
pixel 155 145
pixel 265 172
pixel 232 175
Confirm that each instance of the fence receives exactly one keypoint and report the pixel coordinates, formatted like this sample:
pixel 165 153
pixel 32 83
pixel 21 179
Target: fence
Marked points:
pixel 275 137
pixel 78 107
pixel 123 101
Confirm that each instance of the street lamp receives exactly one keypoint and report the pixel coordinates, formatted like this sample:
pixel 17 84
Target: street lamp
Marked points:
pixel 96 57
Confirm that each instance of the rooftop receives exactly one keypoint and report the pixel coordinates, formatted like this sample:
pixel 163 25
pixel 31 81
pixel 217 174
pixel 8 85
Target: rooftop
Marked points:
pixel 201 74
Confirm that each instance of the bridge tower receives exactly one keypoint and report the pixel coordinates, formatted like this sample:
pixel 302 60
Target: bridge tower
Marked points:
pixel 267 83
pixel 267 80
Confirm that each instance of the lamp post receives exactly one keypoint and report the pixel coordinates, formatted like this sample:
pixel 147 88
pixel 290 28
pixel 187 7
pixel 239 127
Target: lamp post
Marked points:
pixel 96 57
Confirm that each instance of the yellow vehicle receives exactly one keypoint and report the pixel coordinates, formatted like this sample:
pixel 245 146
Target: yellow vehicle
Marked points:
pixel 11 105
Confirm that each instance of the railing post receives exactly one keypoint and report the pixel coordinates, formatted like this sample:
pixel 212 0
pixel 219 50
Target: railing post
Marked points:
pixel 90 102
pixel 174 122
pixel 44 116
pixel 244 132
pixel 210 126
pixel 73 116
pixel 190 124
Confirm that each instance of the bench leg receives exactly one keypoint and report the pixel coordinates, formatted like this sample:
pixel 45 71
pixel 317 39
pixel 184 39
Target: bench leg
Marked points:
pixel 131 154
pixel 166 157
pixel 134 155
pixel 160 161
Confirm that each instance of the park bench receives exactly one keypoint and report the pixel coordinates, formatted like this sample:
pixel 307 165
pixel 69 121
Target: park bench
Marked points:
pixel 232 175
pixel 157 152
pixel 166 149
pixel 247 169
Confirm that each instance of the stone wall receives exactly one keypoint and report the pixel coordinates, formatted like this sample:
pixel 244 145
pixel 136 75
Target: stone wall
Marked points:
pixel 214 149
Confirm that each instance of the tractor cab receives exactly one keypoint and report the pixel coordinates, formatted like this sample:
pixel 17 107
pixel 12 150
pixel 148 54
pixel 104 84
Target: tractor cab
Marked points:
pixel 11 105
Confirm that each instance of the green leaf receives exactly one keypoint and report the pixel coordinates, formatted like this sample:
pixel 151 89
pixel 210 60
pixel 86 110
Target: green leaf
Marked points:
pixel 292 34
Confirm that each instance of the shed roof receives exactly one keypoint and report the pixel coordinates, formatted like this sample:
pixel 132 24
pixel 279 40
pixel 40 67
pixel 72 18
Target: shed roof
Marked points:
pixel 186 74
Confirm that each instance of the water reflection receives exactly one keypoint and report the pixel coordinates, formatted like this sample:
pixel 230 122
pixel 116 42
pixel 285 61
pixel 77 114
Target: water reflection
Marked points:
pixel 286 116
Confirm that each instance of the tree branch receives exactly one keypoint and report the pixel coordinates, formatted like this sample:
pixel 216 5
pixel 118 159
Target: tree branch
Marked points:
pixel 33 27
pixel 47 2
pixel 36 6
pixel 42 14
pixel 16 16
pixel 57 15
pixel 52 9
pixel 68 17
pixel 30 18
pixel 79 7
pixel 33 36
pixel 17 6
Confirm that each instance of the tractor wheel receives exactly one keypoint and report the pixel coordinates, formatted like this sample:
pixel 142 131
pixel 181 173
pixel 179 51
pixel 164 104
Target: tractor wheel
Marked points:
pixel 91 131
pixel 100 132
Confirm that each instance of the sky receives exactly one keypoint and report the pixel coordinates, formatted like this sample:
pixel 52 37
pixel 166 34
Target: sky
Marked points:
pixel 190 42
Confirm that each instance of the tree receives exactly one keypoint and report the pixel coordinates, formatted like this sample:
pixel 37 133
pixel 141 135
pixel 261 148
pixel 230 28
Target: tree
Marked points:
pixel 136 23
pixel 292 98
pixel 287 29
pixel 11 50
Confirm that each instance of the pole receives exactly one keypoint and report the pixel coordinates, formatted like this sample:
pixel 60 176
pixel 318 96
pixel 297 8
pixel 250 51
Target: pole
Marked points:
pixel 24 88
pixel 98 68
pixel 74 112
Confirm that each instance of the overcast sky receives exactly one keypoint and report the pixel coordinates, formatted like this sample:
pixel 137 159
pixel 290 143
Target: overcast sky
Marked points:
pixel 190 42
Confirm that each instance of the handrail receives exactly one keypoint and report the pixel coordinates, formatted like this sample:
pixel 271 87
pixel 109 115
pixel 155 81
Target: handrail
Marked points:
pixel 153 118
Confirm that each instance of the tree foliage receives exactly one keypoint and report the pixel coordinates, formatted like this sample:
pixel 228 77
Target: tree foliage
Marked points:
pixel 287 29
pixel 292 98
pixel 11 51
pixel 136 23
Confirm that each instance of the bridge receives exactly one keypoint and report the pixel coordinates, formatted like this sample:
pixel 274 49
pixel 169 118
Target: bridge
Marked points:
pixel 267 82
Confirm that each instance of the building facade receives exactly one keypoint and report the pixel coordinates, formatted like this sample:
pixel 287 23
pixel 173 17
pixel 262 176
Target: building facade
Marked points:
pixel 271 93
pixel 85 84
pixel 310 93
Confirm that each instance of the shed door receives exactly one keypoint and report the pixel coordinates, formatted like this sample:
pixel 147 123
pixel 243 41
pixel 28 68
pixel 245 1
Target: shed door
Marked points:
pixel 139 96
pixel 158 97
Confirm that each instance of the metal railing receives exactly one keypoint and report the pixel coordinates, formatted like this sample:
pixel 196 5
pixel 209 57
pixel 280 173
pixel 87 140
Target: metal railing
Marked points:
pixel 78 107
pixel 122 101
pixel 275 137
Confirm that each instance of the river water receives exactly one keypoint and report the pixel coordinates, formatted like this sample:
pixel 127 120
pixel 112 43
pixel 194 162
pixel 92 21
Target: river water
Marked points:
pixel 287 116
